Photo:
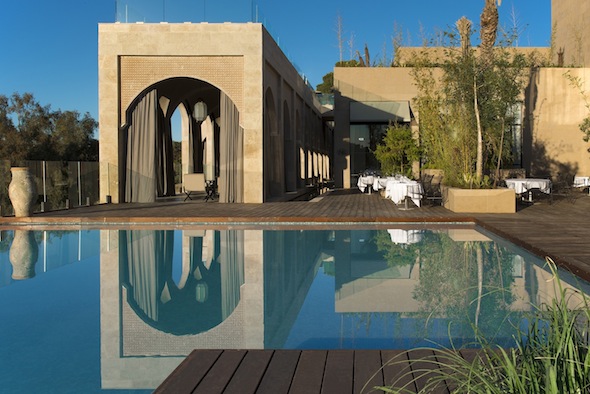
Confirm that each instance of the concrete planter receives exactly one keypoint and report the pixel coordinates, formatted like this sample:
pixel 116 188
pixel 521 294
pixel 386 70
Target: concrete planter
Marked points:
pixel 480 200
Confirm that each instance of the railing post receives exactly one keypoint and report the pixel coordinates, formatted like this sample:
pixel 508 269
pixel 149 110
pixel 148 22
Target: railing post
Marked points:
pixel 44 167
pixel 79 185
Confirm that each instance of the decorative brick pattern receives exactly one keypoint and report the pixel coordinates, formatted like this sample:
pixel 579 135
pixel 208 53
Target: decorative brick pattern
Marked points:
pixel 139 72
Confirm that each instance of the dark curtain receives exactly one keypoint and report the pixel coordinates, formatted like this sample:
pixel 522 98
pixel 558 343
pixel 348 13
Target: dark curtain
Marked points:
pixel 140 177
pixel 231 177
pixel 164 152
pixel 231 258
pixel 147 145
pixel 147 257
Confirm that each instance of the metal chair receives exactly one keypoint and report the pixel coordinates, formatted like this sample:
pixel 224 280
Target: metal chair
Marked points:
pixel 562 190
pixel 432 191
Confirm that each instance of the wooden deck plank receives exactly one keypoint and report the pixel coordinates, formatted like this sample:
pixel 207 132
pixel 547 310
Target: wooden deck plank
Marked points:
pixel 186 377
pixel 396 370
pixel 338 376
pixel 280 371
pixel 367 371
pixel 221 372
pixel 423 368
pixel 306 372
pixel 310 372
pixel 249 373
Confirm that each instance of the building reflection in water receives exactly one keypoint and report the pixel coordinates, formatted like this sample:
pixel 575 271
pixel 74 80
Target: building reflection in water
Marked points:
pixel 246 289
pixel 209 286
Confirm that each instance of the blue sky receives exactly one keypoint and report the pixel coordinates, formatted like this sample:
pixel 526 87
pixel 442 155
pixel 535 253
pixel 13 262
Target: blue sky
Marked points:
pixel 50 47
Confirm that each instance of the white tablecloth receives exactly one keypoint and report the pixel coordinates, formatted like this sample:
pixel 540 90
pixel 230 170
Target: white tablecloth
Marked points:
pixel 399 236
pixel 398 189
pixel 521 185
pixel 378 183
pixel 581 181
pixel 365 181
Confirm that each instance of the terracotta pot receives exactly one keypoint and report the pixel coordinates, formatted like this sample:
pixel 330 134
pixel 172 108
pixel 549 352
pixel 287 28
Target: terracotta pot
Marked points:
pixel 22 191
pixel 23 254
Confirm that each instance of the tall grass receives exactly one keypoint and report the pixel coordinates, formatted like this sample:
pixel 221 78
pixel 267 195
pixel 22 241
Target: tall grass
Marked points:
pixel 551 355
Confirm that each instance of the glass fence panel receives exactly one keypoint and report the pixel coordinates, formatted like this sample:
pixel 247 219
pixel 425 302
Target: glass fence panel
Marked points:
pixel 178 11
pixel 5 177
pixel 60 185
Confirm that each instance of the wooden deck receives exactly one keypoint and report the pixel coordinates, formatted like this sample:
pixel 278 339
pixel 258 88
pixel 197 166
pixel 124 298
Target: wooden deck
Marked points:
pixel 301 372
pixel 560 230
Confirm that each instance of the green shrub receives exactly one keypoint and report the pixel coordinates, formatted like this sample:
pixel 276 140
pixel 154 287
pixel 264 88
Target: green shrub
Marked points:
pixel 551 355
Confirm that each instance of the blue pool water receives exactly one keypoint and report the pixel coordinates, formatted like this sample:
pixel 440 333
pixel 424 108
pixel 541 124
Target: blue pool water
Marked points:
pixel 117 310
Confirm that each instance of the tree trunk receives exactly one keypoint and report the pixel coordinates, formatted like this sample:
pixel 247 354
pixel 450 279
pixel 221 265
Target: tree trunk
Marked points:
pixel 479 161
pixel 479 256
pixel 500 150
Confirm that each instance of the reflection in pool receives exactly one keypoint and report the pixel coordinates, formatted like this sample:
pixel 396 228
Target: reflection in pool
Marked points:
pixel 129 304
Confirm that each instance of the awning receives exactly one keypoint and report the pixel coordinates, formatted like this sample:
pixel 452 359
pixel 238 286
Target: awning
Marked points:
pixel 380 111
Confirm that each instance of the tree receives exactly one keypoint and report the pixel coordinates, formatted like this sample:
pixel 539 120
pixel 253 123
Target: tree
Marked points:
pixel 71 138
pixel 327 84
pixel 464 110
pixel 30 131
pixel 34 127
pixel 398 150
pixel 578 84
pixel 339 33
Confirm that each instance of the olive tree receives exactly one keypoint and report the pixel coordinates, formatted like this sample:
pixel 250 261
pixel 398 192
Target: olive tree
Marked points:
pixel 465 100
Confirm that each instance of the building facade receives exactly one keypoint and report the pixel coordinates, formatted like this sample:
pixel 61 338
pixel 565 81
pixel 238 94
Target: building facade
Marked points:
pixel 249 120
pixel 547 141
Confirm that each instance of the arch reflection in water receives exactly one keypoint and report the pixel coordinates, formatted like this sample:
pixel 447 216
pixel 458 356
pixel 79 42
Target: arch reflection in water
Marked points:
pixel 208 290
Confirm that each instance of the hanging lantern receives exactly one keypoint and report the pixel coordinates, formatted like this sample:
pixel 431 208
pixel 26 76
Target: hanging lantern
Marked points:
pixel 202 292
pixel 200 111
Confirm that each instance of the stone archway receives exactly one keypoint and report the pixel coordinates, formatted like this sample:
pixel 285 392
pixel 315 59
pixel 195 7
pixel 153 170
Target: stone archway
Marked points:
pixel 147 128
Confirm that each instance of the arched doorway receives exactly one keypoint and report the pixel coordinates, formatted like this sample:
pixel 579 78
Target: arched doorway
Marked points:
pixel 273 149
pixel 290 163
pixel 146 159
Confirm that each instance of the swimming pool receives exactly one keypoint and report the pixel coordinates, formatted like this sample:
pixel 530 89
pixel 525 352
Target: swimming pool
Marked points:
pixel 118 309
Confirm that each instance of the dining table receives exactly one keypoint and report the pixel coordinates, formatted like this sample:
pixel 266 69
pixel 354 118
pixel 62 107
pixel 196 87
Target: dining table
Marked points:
pixel 582 182
pixel 366 181
pixel 404 237
pixel 399 188
pixel 396 187
pixel 524 185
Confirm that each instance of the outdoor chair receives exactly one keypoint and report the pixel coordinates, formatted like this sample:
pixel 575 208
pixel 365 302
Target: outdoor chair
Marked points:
pixel 211 189
pixel 432 191
pixel 562 190
pixel 193 183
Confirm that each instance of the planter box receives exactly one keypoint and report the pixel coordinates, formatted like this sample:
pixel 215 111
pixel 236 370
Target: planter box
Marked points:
pixel 480 200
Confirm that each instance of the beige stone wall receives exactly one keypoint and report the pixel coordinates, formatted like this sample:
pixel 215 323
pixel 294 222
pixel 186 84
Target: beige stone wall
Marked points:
pixel 552 113
pixel 297 107
pixel 364 84
pixel 242 60
pixel 557 109
pixel 134 56
pixel 224 72
pixel 569 19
